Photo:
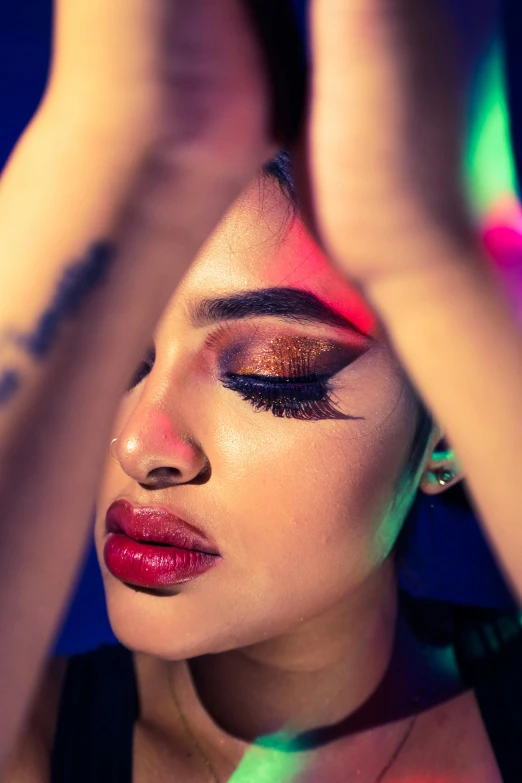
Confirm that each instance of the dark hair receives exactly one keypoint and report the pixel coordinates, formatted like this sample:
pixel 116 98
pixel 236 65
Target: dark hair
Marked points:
pixel 279 168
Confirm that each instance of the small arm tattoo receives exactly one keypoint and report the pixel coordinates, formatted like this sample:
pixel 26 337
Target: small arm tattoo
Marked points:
pixel 75 285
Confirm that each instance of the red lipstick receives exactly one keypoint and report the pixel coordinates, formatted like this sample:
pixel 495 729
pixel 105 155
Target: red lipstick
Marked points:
pixel 150 547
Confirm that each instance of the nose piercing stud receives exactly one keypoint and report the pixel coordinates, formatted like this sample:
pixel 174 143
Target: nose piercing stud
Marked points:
pixel 111 451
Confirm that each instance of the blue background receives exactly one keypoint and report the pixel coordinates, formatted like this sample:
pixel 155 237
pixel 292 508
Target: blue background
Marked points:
pixel 25 35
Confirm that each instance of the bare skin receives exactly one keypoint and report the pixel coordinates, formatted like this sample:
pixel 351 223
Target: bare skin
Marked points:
pixel 333 651
pixel 393 222
pixel 333 647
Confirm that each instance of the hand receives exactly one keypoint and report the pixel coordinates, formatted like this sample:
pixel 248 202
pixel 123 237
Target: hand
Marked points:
pixel 378 164
pixel 183 77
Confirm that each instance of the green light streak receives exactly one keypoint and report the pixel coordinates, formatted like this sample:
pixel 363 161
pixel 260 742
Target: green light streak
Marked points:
pixel 489 168
pixel 271 759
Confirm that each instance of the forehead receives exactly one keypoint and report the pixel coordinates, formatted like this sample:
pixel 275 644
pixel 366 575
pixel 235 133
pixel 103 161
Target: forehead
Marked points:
pixel 261 243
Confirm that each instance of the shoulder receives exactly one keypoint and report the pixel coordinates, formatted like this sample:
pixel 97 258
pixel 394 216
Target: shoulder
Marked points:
pixel 30 758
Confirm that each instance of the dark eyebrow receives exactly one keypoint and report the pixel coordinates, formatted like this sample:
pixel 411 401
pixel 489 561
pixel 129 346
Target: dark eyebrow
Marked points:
pixel 292 304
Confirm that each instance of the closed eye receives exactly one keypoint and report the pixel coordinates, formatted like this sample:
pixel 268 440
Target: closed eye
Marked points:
pixel 308 398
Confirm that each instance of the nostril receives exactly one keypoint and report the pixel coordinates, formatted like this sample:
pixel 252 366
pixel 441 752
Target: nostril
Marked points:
pixel 160 478
pixel 165 470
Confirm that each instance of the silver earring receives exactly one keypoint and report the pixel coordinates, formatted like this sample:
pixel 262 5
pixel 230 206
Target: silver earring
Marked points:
pixel 110 450
pixel 444 476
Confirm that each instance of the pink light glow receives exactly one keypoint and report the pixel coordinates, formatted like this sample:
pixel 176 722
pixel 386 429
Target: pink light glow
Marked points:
pixel 161 437
pixel 300 263
pixel 501 234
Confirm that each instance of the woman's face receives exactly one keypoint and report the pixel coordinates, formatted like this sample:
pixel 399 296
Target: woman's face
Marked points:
pixel 270 424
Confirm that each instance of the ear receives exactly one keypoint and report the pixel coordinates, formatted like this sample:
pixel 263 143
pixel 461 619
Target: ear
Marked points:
pixel 440 459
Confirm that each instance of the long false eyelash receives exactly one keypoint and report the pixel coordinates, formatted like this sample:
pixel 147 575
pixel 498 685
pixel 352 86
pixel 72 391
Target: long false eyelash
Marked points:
pixel 301 394
pixel 307 398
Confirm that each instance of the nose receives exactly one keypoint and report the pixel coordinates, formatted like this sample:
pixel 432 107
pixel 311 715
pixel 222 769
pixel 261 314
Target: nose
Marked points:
pixel 153 453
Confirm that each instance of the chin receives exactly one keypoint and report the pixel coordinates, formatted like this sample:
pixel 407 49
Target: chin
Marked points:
pixel 172 627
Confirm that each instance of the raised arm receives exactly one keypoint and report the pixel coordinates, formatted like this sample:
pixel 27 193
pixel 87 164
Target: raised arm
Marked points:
pixel 128 165
pixel 383 166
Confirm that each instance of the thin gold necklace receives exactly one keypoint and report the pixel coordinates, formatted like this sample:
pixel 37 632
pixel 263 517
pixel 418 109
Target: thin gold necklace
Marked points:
pixel 192 736
pixel 212 771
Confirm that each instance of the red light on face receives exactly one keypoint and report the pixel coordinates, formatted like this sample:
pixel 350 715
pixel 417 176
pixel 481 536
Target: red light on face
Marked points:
pixel 299 262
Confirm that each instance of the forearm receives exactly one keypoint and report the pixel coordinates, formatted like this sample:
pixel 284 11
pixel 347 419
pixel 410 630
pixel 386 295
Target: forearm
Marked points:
pixel 462 347
pixel 65 189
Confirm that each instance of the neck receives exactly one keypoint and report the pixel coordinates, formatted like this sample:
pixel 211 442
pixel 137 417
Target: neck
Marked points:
pixel 312 677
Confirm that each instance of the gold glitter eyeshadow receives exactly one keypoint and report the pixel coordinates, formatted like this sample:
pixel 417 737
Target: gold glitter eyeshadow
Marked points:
pixel 286 356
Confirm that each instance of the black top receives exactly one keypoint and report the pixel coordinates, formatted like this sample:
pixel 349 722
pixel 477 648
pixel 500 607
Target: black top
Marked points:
pixel 98 707
pixel 99 701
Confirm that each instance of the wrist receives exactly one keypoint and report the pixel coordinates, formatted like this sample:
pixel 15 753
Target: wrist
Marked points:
pixel 99 124
pixel 448 270
pixel 129 136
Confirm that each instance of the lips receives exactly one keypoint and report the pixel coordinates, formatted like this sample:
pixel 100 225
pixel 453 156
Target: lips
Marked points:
pixel 156 526
pixel 152 548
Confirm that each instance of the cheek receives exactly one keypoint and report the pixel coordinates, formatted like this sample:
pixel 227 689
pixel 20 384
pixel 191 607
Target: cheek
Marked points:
pixel 306 502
